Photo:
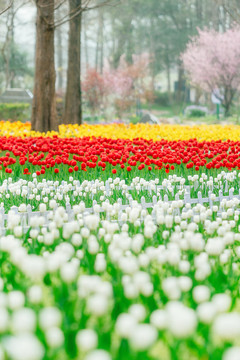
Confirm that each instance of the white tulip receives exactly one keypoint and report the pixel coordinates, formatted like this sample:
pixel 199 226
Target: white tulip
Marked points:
pixel 86 340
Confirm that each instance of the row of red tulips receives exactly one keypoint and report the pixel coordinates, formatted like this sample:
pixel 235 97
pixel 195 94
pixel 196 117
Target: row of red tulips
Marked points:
pixel 86 153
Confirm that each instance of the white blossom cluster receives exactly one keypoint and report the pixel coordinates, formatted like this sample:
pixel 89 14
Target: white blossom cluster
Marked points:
pixel 122 282
pixel 53 193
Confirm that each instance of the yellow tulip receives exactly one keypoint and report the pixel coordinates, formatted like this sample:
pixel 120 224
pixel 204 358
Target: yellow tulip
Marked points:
pixel 131 131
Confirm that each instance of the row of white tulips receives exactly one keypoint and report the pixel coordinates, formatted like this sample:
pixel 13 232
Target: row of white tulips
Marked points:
pixel 87 287
pixel 71 192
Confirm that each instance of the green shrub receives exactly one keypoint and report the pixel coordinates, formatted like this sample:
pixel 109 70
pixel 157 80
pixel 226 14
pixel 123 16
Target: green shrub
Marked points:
pixel 15 111
pixel 134 119
pixel 161 98
pixel 196 113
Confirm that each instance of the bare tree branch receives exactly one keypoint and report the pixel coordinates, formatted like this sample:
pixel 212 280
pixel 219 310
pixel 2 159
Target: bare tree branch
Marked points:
pixel 81 10
pixel 53 3
pixel 78 10
pixel 232 11
pixel 59 5
pixel 7 8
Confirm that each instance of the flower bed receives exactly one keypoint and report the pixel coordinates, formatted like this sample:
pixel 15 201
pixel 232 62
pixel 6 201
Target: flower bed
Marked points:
pixel 49 156
pixel 137 264
pixel 130 132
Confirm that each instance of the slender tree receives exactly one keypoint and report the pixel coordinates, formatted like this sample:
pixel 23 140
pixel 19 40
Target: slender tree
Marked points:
pixel 59 55
pixel 12 59
pixel 73 108
pixel 84 27
pixel 73 102
pixel 7 49
pixel 44 103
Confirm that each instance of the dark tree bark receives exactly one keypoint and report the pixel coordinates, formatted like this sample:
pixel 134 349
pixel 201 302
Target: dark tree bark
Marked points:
pixel 199 10
pixel 169 81
pixel 229 94
pixel 180 93
pixel 73 108
pixel 44 102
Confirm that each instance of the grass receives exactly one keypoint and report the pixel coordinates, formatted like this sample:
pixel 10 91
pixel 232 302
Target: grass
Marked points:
pixel 177 110
pixel 167 111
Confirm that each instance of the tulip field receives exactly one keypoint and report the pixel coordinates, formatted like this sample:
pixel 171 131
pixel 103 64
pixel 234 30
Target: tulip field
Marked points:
pixel 120 242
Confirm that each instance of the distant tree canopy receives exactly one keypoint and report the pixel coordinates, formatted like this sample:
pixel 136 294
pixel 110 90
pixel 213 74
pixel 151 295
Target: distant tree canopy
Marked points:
pixel 161 28
pixel 18 62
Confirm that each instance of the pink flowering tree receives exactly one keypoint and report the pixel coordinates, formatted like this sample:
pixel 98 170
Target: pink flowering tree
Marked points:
pixel 116 87
pixel 118 80
pixel 139 70
pixel 127 82
pixel 94 89
pixel 212 62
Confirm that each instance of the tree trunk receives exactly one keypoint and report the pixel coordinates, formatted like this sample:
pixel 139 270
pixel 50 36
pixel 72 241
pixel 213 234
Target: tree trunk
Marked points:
pixel 85 40
pixel 180 84
pixel 101 21
pixel 44 102
pixel 198 5
pixel 228 100
pixel 73 103
pixel 215 15
pixel 168 80
pixel 124 41
pixel 130 44
pixel 59 59
pixel 198 95
pixel 97 51
pixel 7 49
pixel 12 52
